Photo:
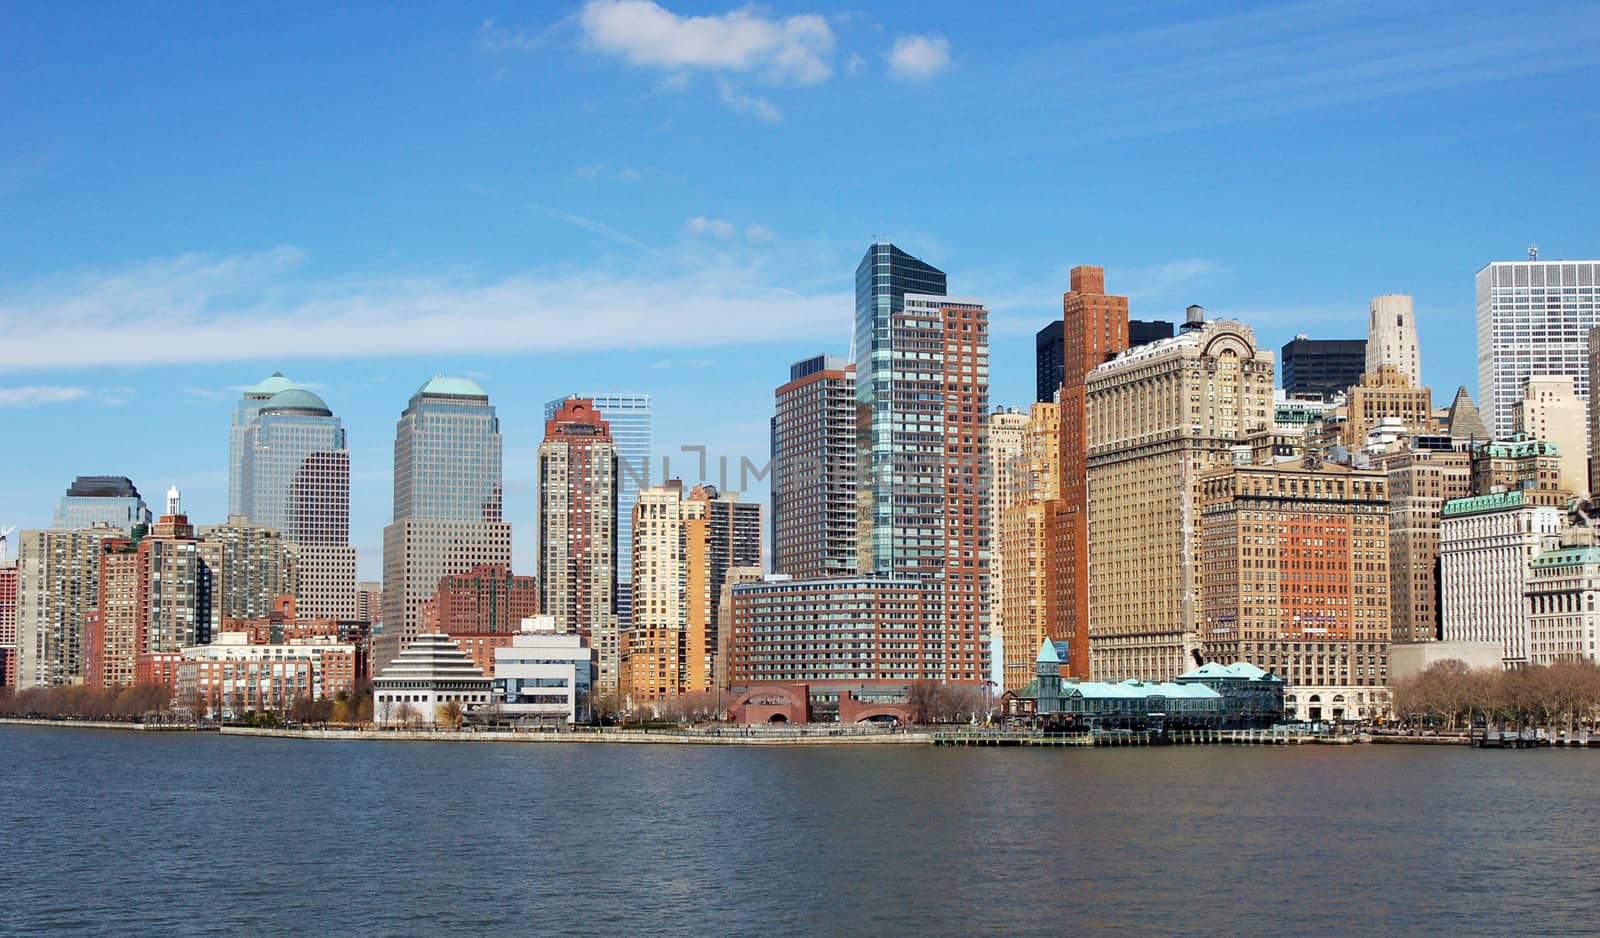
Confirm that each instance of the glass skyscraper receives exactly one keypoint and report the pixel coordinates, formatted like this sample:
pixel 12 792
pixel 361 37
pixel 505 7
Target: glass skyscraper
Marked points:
pixel 1534 319
pixel 629 416
pixel 249 403
pixel 295 469
pixel 110 500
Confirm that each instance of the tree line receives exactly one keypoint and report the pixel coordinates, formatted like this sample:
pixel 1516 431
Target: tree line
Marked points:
pixel 1449 695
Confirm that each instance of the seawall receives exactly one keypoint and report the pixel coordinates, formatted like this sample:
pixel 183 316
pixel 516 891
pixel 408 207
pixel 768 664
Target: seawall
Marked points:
pixel 624 737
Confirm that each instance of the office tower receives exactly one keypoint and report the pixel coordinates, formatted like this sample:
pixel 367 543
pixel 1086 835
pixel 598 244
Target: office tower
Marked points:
pixel 1025 592
pixel 1095 330
pixel 369 601
pixel 1294 561
pixel 814 469
pixel 1594 413
pixel 629 417
pixel 578 529
pixel 250 566
pixel 683 550
pixel 1048 361
pixel 249 402
pixel 1143 332
pixel 1465 424
pixel 1385 394
pixel 1319 369
pixel 92 500
pixel 294 477
pixel 1392 337
pixel 484 599
pixel 1534 319
pixel 1158 417
pixel 1485 545
pixel 1420 482
pixel 1008 484
pixel 922 401
pixel 1551 411
pixel 58 585
pixel 447 497
pixel 8 623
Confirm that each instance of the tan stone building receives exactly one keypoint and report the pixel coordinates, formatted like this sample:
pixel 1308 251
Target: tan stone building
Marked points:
pixel 1007 484
pixel 1388 392
pixel 1420 482
pixel 1520 463
pixel 1159 416
pixel 1551 410
pixel 1295 560
pixel 1025 594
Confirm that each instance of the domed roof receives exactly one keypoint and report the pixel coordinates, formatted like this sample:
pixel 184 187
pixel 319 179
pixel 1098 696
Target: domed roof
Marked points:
pixel 270 386
pixel 297 399
pixel 455 387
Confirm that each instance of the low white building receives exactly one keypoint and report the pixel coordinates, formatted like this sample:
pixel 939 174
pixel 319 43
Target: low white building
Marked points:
pixel 1486 544
pixel 1563 592
pixel 544 674
pixel 432 670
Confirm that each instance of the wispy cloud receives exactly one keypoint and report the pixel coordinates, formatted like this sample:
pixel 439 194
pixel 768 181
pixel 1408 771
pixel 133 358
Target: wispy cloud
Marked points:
pixel 1162 281
pixel 758 234
pixel 40 395
pixel 744 103
pixel 796 48
pixel 918 58
pixel 254 307
pixel 496 38
pixel 715 227
pixel 684 363
pixel 596 227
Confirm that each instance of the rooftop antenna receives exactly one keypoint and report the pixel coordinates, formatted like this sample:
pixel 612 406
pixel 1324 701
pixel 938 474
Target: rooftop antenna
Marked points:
pixel 1533 252
pixel 5 534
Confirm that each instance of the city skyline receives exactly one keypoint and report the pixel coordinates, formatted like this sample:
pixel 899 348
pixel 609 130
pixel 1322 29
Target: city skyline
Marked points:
pixel 520 252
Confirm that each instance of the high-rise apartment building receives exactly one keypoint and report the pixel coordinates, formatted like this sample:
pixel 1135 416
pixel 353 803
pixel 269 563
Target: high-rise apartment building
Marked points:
pixel 1420 482
pixel 814 469
pixel 483 599
pixel 58 586
pixel 1392 337
pixel 1008 484
pixel 1095 331
pixel 1294 561
pixel 1158 417
pixel 92 500
pixel 683 551
pixel 293 472
pixel 922 402
pixel 1486 544
pixel 1550 410
pixel 8 623
pixel 1025 591
pixel 1048 362
pixel 251 565
pixel 1534 319
pixel 632 431
pixel 447 497
pixel 1318 369
pixel 578 530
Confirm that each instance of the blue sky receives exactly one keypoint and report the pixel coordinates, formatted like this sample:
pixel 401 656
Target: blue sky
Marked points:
pixel 673 199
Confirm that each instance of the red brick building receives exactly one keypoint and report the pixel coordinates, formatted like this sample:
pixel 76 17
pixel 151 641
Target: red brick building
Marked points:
pixel 484 599
pixel 8 624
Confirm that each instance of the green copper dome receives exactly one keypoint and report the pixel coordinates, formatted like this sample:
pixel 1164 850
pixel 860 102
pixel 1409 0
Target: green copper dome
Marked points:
pixel 270 386
pixel 297 399
pixel 454 387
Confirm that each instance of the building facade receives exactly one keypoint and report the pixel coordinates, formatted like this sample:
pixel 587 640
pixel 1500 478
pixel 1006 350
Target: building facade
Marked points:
pixel 1026 593
pixel 1008 484
pixel 251 566
pixel 1563 598
pixel 1486 545
pixel 1320 369
pixel 578 529
pixel 814 469
pixel 1295 580
pixel 58 587
pixel 1551 410
pixel 93 500
pixel 1159 417
pixel 430 671
pixel 1386 393
pixel 1420 482
pixel 447 497
pixel 1534 319
pixel 1392 337
pixel 1520 463
pixel 234 675
pixel 544 675
pixel 488 598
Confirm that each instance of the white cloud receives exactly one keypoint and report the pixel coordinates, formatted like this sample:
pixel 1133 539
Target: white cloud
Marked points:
pixel 496 38
pixel 748 103
pixel 919 57
pixel 250 307
pixel 1163 281
pixel 797 48
pixel 37 395
pixel 685 363
pixel 758 234
pixel 715 227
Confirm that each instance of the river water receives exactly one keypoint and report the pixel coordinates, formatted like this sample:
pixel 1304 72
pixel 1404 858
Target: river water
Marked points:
pixel 157 833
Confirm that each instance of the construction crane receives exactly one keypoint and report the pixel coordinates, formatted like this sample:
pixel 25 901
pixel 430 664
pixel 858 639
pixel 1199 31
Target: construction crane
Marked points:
pixel 5 534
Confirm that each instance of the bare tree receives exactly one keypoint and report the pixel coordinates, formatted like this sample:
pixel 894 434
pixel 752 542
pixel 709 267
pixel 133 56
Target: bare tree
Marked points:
pixel 448 713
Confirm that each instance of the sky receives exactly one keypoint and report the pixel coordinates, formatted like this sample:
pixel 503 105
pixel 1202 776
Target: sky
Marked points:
pixel 671 199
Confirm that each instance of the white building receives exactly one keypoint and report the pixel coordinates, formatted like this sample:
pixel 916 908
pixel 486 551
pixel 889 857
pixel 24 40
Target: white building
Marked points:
pixel 1563 592
pixel 1551 410
pixel 430 671
pixel 1534 318
pixel 1486 544
pixel 544 674
pixel 1392 337
pixel 231 676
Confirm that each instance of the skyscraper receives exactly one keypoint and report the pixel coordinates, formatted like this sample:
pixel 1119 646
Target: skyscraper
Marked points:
pixel 1392 337
pixel 578 528
pixel 249 402
pixel 1008 443
pixel 1025 592
pixel 1550 411
pixel 58 586
pixel 92 500
pixel 1534 318
pixel 629 417
pixel 1047 362
pixel 1095 329
pixel 447 497
pixel 922 400
pixel 1317 369
pixel 814 469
